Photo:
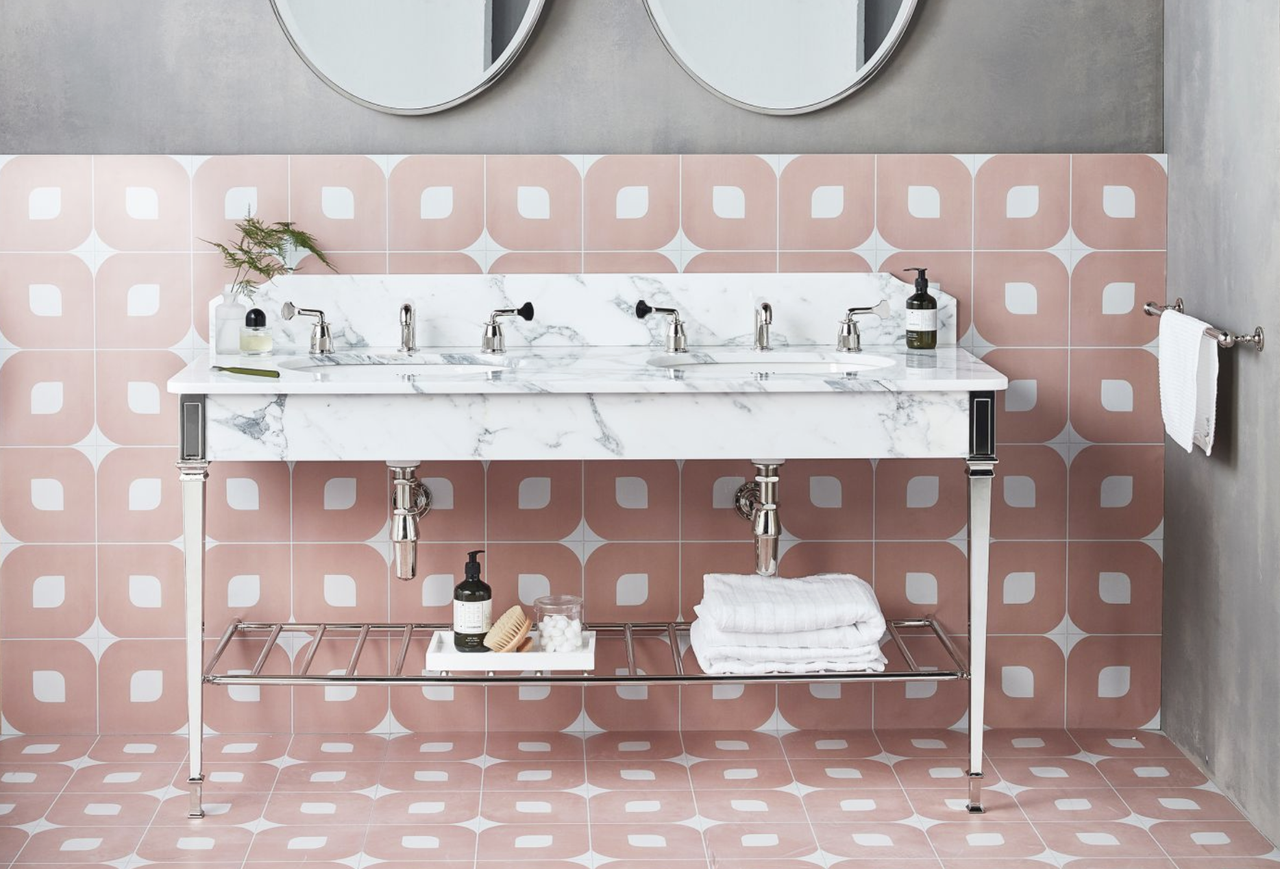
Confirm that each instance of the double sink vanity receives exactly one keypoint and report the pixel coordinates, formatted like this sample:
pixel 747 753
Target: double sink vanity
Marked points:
pixel 413 369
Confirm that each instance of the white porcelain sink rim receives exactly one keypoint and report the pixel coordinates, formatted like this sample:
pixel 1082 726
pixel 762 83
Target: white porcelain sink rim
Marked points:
pixel 773 362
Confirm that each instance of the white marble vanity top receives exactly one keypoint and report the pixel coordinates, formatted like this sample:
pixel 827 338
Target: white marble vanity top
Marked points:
pixel 595 370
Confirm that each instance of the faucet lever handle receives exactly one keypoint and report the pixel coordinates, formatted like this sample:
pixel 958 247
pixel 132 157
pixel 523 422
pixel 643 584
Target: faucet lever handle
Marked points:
pixel 880 309
pixel 677 342
pixel 524 312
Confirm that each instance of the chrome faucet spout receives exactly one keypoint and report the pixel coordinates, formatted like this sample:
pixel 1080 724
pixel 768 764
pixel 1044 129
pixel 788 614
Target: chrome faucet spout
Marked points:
pixel 408 324
pixel 764 319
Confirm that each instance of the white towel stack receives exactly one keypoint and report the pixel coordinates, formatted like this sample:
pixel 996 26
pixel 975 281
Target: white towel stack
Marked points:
pixel 750 624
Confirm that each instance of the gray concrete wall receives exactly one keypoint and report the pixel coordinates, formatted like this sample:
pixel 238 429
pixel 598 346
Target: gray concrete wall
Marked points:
pixel 1222 533
pixel 194 76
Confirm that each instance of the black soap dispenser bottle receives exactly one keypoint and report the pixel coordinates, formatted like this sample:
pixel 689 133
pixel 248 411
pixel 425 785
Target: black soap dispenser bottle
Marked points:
pixel 922 315
pixel 472 608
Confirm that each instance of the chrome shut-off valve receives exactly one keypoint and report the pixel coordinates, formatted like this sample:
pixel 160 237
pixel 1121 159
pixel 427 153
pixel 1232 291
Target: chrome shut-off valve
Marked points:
pixel 410 501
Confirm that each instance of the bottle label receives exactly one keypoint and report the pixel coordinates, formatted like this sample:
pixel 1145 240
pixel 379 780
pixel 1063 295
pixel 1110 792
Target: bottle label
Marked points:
pixel 922 320
pixel 472 616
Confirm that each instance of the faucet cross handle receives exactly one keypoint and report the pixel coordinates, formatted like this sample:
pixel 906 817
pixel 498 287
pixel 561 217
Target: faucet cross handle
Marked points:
pixel 494 341
pixel 677 342
pixel 849 339
pixel 321 338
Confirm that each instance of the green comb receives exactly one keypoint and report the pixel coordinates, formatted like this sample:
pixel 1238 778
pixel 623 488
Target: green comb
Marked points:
pixel 252 372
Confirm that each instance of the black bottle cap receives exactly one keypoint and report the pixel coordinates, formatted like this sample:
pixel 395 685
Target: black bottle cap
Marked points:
pixel 255 319
pixel 472 569
pixel 922 279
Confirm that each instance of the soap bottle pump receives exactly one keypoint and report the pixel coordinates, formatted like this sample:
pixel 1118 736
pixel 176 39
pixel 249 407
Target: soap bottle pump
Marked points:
pixel 922 315
pixel 472 608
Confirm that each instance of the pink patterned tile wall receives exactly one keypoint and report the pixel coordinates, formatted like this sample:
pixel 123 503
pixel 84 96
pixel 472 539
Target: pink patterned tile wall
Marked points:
pixel 104 284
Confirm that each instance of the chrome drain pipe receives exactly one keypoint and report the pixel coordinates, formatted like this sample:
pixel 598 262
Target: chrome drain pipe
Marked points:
pixel 410 501
pixel 757 501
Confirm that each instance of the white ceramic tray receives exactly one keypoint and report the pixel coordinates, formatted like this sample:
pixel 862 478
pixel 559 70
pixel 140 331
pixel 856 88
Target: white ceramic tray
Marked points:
pixel 441 655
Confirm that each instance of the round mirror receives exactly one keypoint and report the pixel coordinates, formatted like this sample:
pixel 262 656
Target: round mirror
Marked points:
pixel 781 57
pixel 408 57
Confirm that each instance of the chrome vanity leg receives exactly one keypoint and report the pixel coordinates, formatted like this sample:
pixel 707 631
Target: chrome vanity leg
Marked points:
pixel 193 472
pixel 981 472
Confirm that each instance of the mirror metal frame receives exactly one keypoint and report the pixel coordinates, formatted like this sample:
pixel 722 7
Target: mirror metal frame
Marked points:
pixel 504 62
pixel 906 14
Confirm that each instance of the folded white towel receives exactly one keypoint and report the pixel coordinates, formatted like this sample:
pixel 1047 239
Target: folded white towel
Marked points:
pixel 843 637
pixel 1188 380
pixel 751 604
pixel 720 658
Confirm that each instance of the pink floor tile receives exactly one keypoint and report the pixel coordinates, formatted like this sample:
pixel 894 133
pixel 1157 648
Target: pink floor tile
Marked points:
pixel 876 841
pixel 444 807
pixel 1180 804
pixel 534 746
pixel 220 778
pixel 121 778
pixel 732 745
pixel 743 774
pixel 647 841
pixel 34 778
pixel 844 773
pixel 1029 743
pixel 662 775
pixel 11 843
pixel 307 842
pixel 985 839
pixel 1126 743
pixel 418 777
pixel 333 748
pixel 195 843
pixel 81 844
pixel 1050 772
pixel 533 776
pixel 255 748
pixel 19 809
pixel 44 749
pixel 626 745
pixel 863 805
pixel 534 807
pixel 1110 840
pixel 920 863
pixel 219 809
pixel 939 804
pixel 1226 863
pixel 802 744
pixel 534 841
pixel 925 743
pixel 1210 839
pixel 318 808
pixel 421 842
pixel 328 777
pixel 1173 772
pixel 85 810
pixel 1065 804
pixel 648 807
pixel 939 772
pixel 748 806
pixel 436 746
pixel 765 840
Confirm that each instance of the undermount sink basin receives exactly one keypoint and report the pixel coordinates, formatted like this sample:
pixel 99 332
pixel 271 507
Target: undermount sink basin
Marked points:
pixel 753 363
pixel 359 366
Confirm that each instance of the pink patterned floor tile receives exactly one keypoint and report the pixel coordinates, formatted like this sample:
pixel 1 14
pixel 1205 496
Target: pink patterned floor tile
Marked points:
pixel 307 842
pixel 81 844
pixel 627 745
pixel 533 776
pixel 936 742
pixel 1029 743
pixel 219 809
pixel 986 839
pixel 1126 743
pixel 12 842
pixel 874 841
pixel 534 807
pixel 44 749
pixel 444 807
pixel 768 839
pixel 1173 772
pixel 256 748
pixel 232 778
pixel 1066 804
pixel 121 778
pixel 421 842
pixel 863 805
pixel 660 842
pixel 1211 839
pixel 1110 840
pixel 313 808
pixel 422 777
pixel 662 775
pixel 920 863
pixel 752 806
pixel 938 772
pixel 805 744
pixel 436 746
pixel 1226 863
pixel 843 773
pixel 518 842
pixel 534 746
pixel 647 807
pixel 1050 772
pixel 1180 804
pixel 742 774
pixel 34 778
pixel 328 777
pixel 19 809
pixel 195 843
pixel 85 810
pixel 343 748
pixel 732 745
pixel 938 804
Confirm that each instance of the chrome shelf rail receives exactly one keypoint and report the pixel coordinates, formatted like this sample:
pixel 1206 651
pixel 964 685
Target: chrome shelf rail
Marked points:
pixel 668 633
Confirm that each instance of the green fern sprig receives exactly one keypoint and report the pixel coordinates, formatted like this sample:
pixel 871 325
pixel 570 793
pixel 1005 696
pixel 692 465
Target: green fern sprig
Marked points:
pixel 263 252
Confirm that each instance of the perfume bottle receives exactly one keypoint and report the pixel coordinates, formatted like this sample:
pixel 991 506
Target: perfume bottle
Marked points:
pixel 255 337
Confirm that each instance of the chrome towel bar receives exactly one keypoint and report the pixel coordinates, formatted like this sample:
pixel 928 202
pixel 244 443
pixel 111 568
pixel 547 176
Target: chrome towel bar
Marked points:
pixel 1224 339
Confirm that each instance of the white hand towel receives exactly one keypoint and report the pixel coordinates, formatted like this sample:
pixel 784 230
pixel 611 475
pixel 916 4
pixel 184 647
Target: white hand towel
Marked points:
pixel 843 637
pixel 752 604
pixel 720 659
pixel 1188 380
